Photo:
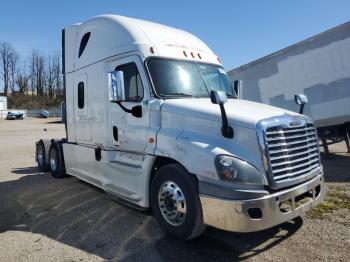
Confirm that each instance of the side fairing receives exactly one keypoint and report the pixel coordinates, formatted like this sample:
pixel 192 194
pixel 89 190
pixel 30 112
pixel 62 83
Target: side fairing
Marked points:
pixel 70 108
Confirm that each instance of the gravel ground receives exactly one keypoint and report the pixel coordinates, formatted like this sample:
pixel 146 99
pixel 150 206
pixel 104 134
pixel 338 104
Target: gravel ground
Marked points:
pixel 46 219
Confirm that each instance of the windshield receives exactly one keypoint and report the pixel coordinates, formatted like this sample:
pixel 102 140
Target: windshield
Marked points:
pixel 177 78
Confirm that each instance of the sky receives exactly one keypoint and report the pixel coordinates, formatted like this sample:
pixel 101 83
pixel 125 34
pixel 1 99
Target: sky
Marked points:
pixel 238 31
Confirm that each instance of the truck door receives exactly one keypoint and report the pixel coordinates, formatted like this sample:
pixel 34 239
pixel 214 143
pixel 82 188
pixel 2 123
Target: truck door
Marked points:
pixel 129 133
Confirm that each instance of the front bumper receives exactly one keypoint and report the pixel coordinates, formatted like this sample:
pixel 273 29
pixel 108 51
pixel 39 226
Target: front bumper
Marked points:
pixel 265 212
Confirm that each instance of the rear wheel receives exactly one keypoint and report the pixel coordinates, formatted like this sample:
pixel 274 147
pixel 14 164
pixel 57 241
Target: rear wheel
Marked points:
pixel 41 156
pixel 56 162
pixel 175 202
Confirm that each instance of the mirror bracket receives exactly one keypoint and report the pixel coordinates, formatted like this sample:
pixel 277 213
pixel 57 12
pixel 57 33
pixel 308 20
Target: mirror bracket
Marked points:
pixel 226 129
pixel 136 111
pixel 219 97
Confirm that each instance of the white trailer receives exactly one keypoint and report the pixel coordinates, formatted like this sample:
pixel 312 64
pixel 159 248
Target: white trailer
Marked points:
pixel 152 118
pixel 318 67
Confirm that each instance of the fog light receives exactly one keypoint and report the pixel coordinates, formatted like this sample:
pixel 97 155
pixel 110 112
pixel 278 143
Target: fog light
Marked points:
pixel 317 191
pixel 255 213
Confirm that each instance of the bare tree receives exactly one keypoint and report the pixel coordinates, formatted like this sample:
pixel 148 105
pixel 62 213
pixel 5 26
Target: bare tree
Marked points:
pixel 37 71
pixel 13 68
pixel 37 75
pixel 40 71
pixel 22 79
pixel 53 76
pixel 31 60
pixel 7 55
pixel 57 76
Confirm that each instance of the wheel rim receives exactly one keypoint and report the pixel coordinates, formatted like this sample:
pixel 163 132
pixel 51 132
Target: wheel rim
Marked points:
pixel 40 155
pixel 172 203
pixel 53 160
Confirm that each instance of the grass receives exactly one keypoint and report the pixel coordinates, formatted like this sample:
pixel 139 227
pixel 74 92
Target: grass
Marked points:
pixel 335 199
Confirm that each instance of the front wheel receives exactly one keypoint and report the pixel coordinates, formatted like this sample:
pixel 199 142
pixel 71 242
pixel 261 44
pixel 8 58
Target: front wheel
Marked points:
pixel 175 202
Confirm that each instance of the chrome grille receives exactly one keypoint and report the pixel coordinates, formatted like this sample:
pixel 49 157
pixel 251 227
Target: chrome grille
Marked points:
pixel 293 152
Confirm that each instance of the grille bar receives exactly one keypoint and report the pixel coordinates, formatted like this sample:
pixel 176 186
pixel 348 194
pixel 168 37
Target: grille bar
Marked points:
pixel 278 151
pixel 311 150
pixel 289 131
pixel 298 172
pixel 289 137
pixel 292 143
pixel 295 160
pixel 279 170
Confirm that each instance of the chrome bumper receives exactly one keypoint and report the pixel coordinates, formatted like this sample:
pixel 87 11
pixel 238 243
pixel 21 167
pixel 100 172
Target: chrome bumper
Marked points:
pixel 233 215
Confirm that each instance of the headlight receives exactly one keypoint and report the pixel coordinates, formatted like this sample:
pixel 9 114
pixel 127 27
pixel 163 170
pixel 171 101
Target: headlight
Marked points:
pixel 238 171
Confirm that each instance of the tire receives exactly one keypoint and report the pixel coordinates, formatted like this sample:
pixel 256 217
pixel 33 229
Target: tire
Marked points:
pixel 56 161
pixel 181 219
pixel 41 156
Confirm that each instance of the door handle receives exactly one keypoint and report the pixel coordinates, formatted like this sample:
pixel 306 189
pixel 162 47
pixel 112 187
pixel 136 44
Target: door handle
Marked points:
pixel 98 154
pixel 115 133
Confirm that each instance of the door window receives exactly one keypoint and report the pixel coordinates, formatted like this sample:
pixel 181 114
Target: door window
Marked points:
pixel 83 43
pixel 132 82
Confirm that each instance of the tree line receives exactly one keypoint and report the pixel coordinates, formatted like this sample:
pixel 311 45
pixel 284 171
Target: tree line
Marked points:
pixel 30 82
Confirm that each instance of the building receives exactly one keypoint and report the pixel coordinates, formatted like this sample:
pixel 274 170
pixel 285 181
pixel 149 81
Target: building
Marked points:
pixel 3 103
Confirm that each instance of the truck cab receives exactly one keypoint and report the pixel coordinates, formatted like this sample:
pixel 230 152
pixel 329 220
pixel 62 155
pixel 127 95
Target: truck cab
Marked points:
pixel 152 118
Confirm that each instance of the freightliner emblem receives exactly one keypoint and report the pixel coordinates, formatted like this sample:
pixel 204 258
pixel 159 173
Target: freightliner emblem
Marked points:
pixel 295 122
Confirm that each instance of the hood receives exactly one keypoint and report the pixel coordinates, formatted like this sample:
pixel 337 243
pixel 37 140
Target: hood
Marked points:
pixel 239 112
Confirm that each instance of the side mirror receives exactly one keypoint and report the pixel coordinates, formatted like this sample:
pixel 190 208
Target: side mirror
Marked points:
pixel 218 97
pixel 116 86
pixel 301 100
pixel 238 88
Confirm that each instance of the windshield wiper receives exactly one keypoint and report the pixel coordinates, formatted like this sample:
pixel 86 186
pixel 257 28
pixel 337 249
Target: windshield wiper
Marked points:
pixel 179 94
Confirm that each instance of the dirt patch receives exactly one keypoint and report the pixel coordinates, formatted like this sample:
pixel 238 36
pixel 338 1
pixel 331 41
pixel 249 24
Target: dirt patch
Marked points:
pixel 337 197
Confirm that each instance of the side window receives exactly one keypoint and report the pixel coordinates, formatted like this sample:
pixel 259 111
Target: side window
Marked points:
pixel 83 43
pixel 132 82
pixel 81 95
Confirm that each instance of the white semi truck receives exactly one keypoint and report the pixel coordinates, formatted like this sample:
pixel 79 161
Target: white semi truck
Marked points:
pixel 152 118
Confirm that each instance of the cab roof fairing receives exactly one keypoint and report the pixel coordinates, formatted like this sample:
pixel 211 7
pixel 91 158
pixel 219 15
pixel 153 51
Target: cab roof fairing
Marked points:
pixel 112 35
